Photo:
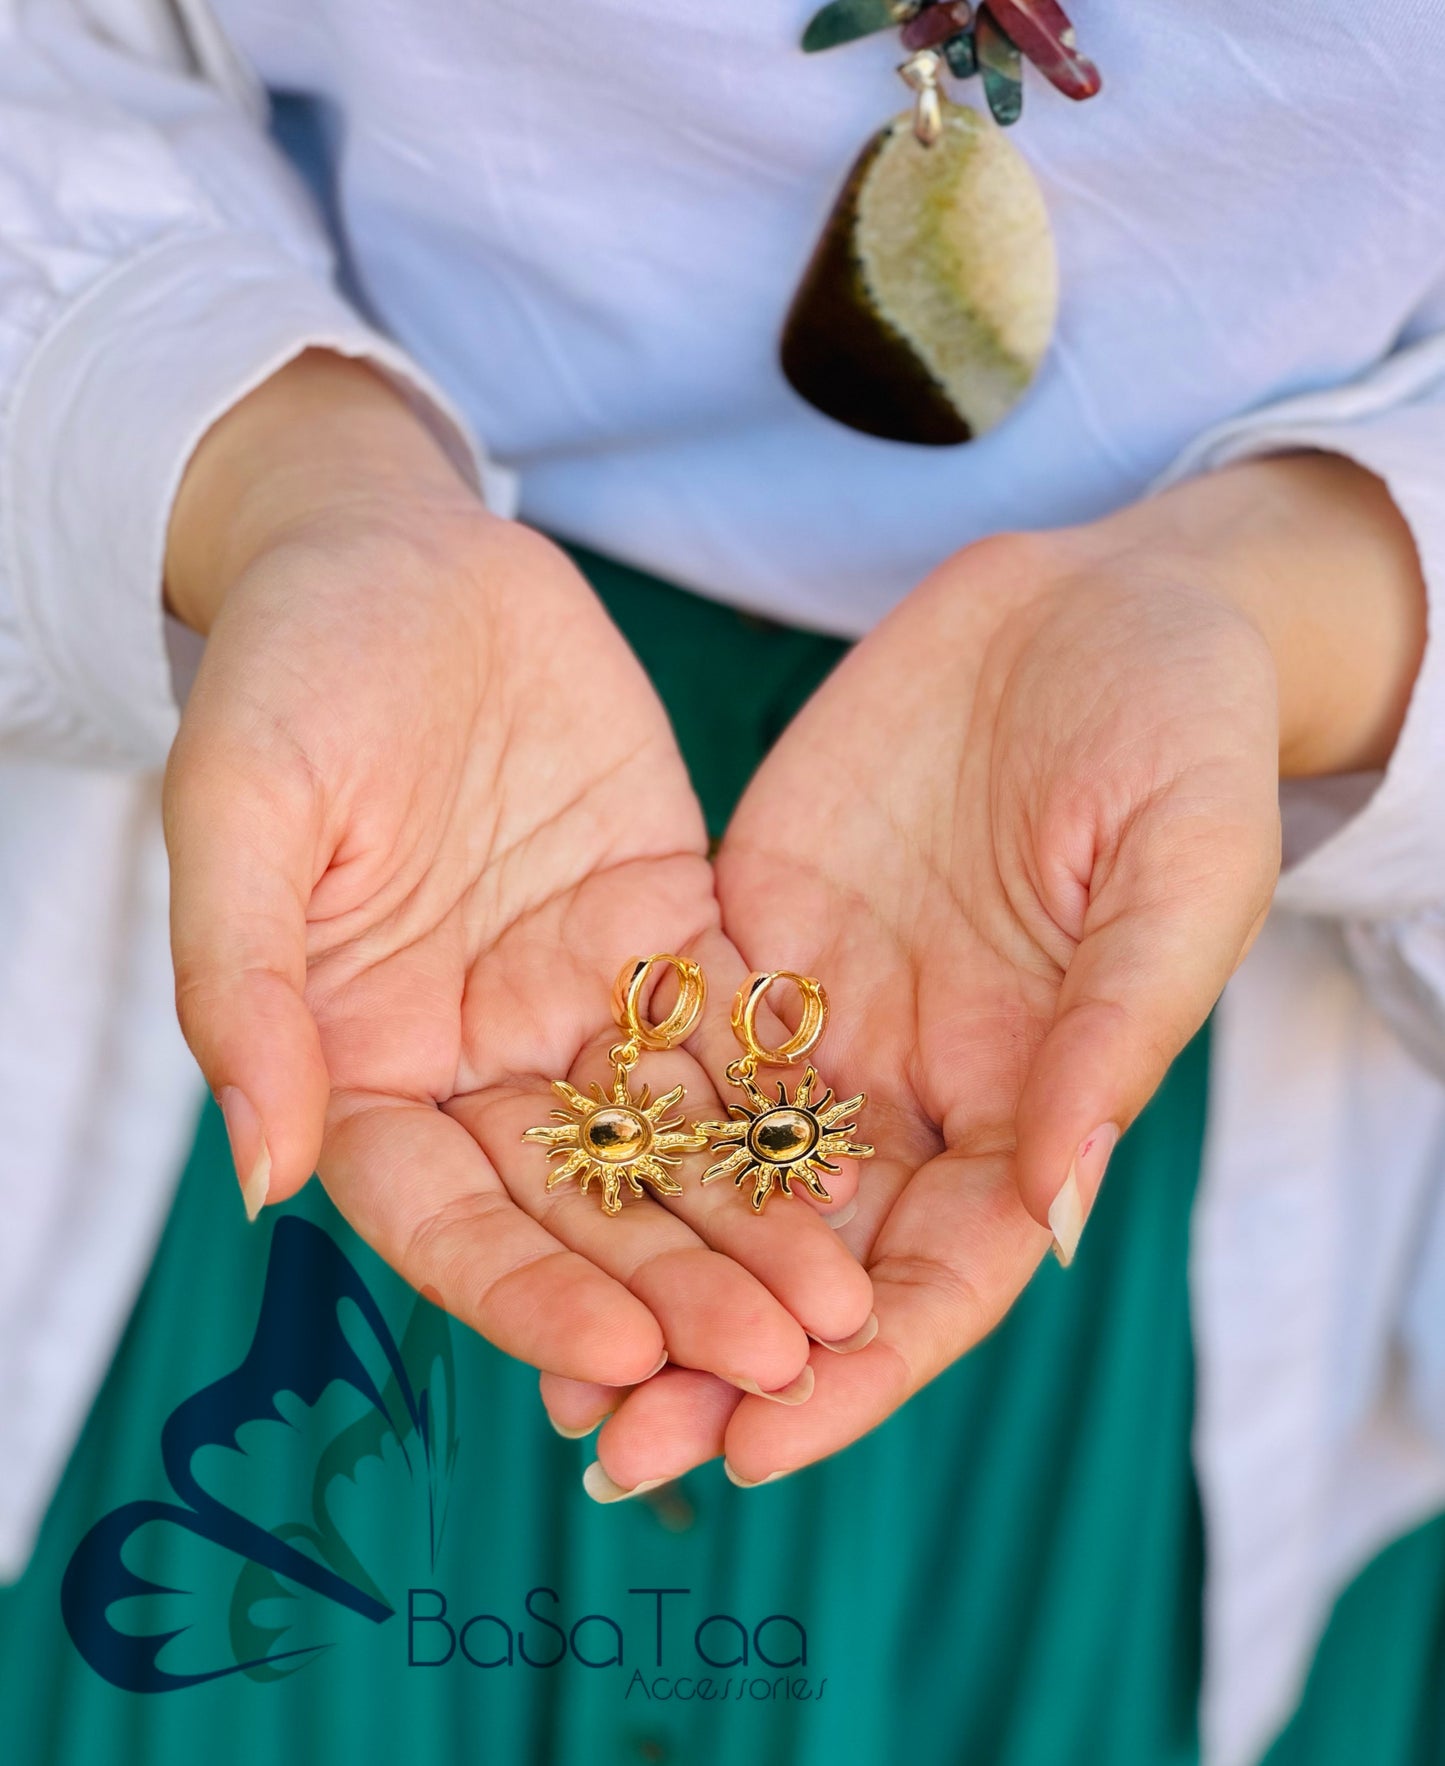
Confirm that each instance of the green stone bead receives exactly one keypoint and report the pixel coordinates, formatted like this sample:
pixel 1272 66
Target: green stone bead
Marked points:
pixel 844 21
pixel 961 56
pixel 1000 66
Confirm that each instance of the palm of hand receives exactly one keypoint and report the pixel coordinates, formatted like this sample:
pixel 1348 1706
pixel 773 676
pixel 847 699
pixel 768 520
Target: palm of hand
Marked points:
pixel 1003 844
pixel 475 801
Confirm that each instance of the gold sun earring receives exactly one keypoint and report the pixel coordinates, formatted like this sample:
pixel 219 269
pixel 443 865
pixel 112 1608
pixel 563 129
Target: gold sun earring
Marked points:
pixel 769 1142
pixel 621 1136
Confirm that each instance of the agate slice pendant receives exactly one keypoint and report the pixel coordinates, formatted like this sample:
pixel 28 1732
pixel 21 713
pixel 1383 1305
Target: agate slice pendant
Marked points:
pixel 930 299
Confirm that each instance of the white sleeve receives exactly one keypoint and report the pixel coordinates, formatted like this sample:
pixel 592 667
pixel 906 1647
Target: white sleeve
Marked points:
pixel 1369 852
pixel 158 260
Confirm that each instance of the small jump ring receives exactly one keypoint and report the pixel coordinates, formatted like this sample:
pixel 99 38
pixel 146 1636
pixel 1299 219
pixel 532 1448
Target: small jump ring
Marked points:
pixel 631 989
pixel 750 997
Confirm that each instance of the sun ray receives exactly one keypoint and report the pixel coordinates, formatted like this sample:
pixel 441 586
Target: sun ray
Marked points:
pixel 720 1133
pixel 750 1087
pixel 650 1171
pixel 671 1143
pixel 814 1183
pixel 569 1168
pixel 734 1162
pixel 564 1135
pixel 835 1115
pixel 660 1106
pixel 577 1101
pixel 838 1146
pixel 611 1187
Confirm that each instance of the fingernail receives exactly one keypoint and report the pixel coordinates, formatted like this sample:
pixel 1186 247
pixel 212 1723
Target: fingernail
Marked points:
pixel 248 1147
pixel 841 1216
pixel 577 1434
pixel 860 1339
pixel 798 1392
pixel 750 1483
pixel 602 1489
pixel 661 1363
pixel 1070 1208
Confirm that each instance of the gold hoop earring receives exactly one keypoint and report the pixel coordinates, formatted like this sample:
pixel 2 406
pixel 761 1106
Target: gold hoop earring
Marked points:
pixel 770 1142
pixel 626 1137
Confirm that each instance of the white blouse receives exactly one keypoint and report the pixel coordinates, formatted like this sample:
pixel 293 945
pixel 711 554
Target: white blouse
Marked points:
pixel 583 220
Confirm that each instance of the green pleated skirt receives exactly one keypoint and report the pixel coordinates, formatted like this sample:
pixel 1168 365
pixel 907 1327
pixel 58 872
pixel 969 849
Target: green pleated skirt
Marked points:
pixel 1007 1574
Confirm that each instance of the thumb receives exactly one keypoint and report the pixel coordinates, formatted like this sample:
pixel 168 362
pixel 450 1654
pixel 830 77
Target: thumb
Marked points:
pixel 242 850
pixel 1159 944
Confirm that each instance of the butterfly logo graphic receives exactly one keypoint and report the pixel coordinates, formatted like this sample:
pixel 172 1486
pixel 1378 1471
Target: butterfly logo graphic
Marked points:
pixel 255 1565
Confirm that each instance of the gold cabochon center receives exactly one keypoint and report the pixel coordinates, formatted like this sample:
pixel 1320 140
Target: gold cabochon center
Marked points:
pixel 617 1135
pixel 783 1136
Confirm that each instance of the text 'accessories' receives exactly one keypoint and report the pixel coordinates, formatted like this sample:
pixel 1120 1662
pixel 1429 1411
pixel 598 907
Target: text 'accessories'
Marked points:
pixel 930 299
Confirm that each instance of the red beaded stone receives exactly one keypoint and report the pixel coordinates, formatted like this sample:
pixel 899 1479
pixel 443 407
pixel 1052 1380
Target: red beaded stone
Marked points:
pixel 932 27
pixel 1041 29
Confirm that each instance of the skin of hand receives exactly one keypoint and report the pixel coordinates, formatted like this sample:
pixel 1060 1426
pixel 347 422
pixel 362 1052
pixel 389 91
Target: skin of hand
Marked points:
pixel 422 805
pixel 1025 833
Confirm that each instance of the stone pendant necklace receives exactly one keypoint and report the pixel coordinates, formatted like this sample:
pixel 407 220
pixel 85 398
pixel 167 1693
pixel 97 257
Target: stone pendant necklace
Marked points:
pixel 930 299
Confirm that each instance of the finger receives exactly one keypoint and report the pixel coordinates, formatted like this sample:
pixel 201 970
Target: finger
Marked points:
pixel 1168 931
pixel 242 852
pixel 418 1189
pixel 714 1314
pixel 576 1407
pixel 661 1430
pixel 950 1260
pixel 953 1252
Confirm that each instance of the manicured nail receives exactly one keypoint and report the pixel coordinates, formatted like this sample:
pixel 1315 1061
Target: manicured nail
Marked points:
pixel 602 1489
pixel 577 1434
pixel 1070 1208
pixel 860 1339
pixel 841 1216
pixel 798 1392
pixel 248 1147
pixel 750 1483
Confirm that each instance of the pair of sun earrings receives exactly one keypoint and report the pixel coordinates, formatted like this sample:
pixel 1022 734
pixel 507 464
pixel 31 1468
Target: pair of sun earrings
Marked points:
pixel 622 1137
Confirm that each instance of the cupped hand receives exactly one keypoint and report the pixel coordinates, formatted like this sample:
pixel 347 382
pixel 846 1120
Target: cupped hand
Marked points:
pixel 422 805
pixel 1024 834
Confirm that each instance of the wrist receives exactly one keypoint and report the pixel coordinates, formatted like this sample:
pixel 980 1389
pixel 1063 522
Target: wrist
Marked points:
pixel 324 437
pixel 1312 551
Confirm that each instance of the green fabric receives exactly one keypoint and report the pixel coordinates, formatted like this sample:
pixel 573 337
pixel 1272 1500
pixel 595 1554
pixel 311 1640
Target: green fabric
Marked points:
pixel 1006 1574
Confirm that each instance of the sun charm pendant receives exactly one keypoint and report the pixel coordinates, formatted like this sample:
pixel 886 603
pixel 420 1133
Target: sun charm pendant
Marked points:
pixel 616 1139
pixel 768 1142
pixel 627 1137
